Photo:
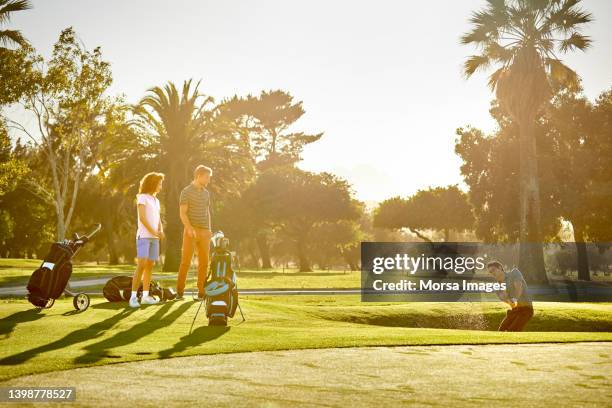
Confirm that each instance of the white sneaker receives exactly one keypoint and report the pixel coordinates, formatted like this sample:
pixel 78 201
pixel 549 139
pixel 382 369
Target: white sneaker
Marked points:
pixel 148 300
pixel 134 302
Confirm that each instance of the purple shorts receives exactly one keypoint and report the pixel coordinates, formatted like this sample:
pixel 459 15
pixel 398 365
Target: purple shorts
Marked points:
pixel 147 248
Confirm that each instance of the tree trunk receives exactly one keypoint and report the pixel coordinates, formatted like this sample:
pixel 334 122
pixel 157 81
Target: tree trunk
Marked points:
pixel 60 226
pixel 254 257
pixel 174 227
pixel 581 250
pixel 304 262
pixel 531 257
pixel 109 230
pixel 264 250
pixel 350 259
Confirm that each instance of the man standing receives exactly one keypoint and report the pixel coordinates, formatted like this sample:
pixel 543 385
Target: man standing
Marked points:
pixel 515 295
pixel 195 214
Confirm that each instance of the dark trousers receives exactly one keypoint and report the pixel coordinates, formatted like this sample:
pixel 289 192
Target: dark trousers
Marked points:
pixel 516 318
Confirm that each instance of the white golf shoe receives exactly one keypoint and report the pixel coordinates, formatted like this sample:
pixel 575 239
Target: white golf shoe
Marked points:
pixel 148 300
pixel 134 302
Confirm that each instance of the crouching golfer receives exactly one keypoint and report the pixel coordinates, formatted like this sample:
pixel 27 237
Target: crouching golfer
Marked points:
pixel 194 205
pixel 148 235
pixel 515 295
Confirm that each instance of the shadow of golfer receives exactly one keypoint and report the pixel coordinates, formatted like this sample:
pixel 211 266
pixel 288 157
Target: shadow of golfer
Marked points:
pixel 200 335
pixel 8 324
pixel 77 336
pixel 110 305
pixel 98 351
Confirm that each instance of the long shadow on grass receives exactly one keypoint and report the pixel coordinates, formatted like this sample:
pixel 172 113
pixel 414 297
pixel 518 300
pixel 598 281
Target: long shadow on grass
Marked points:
pixel 98 351
pixel 77 336
pixel 110 305
pixel 8 324
pixel 198 336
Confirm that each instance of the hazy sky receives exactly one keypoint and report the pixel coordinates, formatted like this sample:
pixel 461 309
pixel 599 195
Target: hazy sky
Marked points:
pixel 382 79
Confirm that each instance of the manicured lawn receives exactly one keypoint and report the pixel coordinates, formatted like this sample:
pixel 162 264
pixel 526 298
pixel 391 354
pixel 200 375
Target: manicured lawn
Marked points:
pixel 59 339
pixel 15 272
pixel 494 375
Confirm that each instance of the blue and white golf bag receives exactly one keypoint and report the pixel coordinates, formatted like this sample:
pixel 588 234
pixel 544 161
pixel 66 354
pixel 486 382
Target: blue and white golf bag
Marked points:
pixel 221 287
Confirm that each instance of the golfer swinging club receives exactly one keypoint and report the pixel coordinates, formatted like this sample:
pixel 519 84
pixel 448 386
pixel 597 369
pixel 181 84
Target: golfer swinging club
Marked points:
pixel 195 214
pixel 515 295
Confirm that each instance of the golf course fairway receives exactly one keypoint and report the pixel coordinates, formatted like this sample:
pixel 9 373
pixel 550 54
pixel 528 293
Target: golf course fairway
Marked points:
pixel 33 341
pixel 572 374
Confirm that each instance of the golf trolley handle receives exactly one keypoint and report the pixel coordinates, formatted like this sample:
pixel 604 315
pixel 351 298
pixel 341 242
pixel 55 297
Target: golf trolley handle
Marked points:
pixel 95 231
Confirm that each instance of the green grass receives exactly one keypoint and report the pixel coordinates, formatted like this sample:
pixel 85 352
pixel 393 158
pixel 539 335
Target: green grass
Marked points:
pixel 15 272
pixel 59 338
pixel 501 375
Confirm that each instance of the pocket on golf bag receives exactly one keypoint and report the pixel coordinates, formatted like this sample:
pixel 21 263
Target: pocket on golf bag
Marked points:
pixel 222 290
pixel 37 300
pixel 49 284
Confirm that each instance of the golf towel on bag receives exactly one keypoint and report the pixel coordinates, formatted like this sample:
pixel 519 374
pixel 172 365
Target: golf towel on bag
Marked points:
pixel 50 280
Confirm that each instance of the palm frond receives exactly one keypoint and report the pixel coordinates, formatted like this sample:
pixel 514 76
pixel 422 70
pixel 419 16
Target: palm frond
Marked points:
pixel 478 35
pixel 9 6
pixel 546 45
pixel 474 63
pixel 564 18
pixel 12 37
pixel 576 17
pixel 486 25
pixel 561 73
pixel 494 78
pixel 575 41
pixel 497 52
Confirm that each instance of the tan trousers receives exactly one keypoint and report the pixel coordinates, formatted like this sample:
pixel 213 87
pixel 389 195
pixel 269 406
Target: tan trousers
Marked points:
pixel 201 243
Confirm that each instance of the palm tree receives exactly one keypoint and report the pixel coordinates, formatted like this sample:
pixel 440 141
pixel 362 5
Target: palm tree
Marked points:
pixel 12 37
pixel 523 39
pixel 175 119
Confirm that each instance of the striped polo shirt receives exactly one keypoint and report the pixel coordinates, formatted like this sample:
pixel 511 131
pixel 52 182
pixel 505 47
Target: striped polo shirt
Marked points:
pixel 198 201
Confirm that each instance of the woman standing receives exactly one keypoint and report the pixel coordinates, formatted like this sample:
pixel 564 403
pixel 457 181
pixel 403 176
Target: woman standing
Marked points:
pixel 148 235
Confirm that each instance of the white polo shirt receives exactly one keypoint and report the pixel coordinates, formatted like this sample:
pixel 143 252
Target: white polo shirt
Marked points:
pixel 152 214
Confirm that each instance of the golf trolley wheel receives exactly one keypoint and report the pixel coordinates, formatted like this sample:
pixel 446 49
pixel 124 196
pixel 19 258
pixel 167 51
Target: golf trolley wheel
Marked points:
pixel 81 302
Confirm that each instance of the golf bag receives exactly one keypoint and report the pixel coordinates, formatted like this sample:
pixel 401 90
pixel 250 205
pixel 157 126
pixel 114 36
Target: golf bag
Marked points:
pixel 49 281
pixel 221 288
pixel 119 289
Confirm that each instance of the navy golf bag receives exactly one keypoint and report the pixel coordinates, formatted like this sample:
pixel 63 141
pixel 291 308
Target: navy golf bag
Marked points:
pixel 221 287
pixel 49 281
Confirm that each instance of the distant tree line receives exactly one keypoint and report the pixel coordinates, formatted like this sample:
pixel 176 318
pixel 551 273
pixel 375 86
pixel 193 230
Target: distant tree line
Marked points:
pixel 81 160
